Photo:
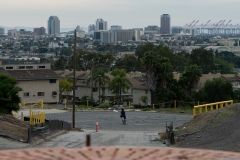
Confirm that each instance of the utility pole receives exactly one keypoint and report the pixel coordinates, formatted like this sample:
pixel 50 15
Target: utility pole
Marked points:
pixel 99 89
pixel 74 80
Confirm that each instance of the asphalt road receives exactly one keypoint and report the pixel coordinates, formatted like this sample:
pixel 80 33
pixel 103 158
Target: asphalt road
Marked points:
pixel 109 120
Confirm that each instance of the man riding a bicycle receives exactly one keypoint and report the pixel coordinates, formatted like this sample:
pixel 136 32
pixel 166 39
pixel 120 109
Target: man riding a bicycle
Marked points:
pixel 123 114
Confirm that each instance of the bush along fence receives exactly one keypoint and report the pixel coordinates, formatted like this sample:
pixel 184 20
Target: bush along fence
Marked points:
pixel 170 104
pixel 210 106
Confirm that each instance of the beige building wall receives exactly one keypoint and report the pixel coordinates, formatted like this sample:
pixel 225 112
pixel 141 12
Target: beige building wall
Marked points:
pixel 229 43
pixel 25 66
pixel 82 91
pixel 13 33
pixel 33 87
pixel 137 93
pixel 125 35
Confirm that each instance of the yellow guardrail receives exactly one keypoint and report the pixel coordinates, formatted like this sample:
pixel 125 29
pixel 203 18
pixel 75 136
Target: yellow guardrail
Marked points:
pixel 37 117
pixel 36 103
pixel 210 105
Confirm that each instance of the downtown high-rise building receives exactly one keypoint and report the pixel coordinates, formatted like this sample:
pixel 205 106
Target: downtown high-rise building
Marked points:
pixel 53 25
pixel 165 23
pixel 2 31
pixel 101 25
pixel 91 28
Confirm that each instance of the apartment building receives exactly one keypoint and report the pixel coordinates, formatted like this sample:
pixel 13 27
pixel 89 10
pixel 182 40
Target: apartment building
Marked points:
pixel 39 31
pixel 37 81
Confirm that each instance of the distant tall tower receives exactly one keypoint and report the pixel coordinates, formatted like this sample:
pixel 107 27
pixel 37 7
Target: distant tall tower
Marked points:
pixel 53 25
pixel 165 24
pixel 101 25
pixel 78 28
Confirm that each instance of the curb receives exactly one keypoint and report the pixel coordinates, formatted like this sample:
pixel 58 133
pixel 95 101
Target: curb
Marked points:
pixel 46 139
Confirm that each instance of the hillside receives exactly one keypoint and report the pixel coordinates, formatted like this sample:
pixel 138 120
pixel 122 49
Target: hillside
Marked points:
pixel 216 130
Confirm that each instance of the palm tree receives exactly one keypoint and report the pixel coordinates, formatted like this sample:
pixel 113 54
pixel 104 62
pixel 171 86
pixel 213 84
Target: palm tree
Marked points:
pixel 150 61
pixel 164 73
pixel 100 79
pixel 119 83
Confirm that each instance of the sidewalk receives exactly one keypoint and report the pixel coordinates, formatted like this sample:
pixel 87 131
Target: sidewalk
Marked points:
pixel 74 139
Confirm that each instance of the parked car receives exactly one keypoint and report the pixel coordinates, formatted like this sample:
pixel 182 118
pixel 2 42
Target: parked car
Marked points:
pixel 94 104
pixel 117 106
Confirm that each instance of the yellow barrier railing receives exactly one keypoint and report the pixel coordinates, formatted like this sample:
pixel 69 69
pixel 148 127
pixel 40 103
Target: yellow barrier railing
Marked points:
pixel 37 117
pixel 33 104
pixel 210 105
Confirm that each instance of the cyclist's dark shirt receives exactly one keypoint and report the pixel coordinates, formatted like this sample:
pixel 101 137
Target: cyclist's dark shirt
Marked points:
pixel 123 113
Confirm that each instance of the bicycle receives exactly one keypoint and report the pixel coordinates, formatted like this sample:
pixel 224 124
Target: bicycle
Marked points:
pixel 123 120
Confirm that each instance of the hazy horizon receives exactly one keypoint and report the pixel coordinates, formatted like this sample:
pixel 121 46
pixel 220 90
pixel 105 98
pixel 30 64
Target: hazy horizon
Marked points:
pixel 128 14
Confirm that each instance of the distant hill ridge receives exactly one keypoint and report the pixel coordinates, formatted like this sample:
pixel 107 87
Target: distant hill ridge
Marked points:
pixel 31 28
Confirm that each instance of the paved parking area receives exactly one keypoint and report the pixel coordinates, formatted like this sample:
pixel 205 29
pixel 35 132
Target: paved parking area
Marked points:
pixel 109 120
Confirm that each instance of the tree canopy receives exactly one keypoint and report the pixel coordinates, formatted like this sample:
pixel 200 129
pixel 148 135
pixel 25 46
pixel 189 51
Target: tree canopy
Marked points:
pixel 9 99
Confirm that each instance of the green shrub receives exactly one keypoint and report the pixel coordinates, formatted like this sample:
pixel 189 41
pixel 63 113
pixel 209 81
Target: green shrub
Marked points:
pixel 146 109
pixel 103 106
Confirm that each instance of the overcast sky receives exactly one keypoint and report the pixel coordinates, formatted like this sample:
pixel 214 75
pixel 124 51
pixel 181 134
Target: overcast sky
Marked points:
pixel 127 13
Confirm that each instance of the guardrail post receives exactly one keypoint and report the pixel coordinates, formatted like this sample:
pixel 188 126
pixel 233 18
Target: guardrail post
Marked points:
pixel 206 108
pixel 41 102
pixel 22 117
pixel 194 111
pixel 221 105
pixel 211 107
pixel 153 106
pixel 217 106
pixel 200 110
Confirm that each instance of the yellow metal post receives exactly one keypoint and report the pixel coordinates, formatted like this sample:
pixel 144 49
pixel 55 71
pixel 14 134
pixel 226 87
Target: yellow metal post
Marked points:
pixel 211 107
pixel 206 108
pixel 200 110
pixel 175 104
pixel 221 105
pixel 153 106
pixel 194 111
pixel 41 101
pixel 216 105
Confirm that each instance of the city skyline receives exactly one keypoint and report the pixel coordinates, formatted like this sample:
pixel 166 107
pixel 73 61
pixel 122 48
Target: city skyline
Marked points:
pixel 128 14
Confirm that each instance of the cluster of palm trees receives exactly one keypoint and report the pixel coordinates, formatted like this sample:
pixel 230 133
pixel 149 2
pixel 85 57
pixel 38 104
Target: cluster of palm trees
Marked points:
pixel 117 84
